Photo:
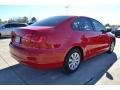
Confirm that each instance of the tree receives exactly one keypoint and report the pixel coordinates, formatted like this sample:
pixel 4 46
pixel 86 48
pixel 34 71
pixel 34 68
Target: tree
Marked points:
pixel 33 19
pixel 107 25
pixel 4 22
pixel 24 20
pixel 11 20
pixel 18 20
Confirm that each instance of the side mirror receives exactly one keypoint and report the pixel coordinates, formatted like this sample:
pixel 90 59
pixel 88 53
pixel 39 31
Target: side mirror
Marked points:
pixel 104 31
pixel 109 30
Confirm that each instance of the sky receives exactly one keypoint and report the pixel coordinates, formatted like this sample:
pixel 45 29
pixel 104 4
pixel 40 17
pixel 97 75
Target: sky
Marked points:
pixel 106 11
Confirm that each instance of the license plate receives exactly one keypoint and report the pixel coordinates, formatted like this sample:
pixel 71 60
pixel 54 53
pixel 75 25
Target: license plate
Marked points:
pixel 17 39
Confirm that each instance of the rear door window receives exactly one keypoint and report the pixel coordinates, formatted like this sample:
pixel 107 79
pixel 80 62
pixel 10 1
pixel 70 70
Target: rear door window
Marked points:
pixel 14 25
pixel 85 24
pixel 22 25
pixel 82 23
pixel 7 26
pixel 76 24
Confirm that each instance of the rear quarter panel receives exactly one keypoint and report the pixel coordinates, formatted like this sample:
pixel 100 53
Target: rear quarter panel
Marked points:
pixel 63 38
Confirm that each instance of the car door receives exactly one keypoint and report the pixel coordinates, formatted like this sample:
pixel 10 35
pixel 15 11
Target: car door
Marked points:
pixel 5 30
pixel 103 39
pixel 87 35
pixel 90 37
pixel 11 27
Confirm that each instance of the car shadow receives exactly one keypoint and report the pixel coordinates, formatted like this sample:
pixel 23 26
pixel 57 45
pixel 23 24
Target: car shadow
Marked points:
pixel 89 72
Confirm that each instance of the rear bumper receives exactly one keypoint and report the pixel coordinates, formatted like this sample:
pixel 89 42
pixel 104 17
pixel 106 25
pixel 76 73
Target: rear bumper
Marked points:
pixel 37 58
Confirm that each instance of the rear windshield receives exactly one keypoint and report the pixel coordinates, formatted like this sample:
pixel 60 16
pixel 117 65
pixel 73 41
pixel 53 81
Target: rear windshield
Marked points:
pixel 52 21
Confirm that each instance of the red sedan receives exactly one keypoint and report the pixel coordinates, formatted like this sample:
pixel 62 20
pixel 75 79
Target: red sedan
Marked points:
pixel 60 41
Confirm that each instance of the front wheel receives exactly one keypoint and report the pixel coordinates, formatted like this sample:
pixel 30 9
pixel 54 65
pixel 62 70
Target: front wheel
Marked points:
pixel 111 48
pixel 72 61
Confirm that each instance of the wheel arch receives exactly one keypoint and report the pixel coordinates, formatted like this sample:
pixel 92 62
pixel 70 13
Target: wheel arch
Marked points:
pixel 77 47
pixel 113 39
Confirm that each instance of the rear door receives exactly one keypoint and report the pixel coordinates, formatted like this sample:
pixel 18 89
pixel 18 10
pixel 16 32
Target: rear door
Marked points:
pixel 5 30
pixel 87 35
pixel 90 37
pixel 103 39
pixel 11 27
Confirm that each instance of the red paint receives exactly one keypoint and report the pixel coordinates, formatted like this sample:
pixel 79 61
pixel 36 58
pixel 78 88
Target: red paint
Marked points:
pixel 46 46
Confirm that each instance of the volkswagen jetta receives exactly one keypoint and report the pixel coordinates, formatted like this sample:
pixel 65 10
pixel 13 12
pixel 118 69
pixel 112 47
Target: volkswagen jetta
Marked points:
pixel 60 41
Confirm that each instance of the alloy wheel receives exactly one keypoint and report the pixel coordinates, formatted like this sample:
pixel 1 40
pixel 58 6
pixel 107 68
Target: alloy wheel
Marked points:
pixel 74 61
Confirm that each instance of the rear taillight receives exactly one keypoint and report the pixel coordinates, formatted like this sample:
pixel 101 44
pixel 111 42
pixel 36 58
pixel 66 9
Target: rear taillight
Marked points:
pixel 34 41
pixel 26 40
pixel 40 43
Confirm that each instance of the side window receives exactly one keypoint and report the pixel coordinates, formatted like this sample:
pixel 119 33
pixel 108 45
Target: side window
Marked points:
pixel 14 25
pixel 22 25
pixel 98 26
pixel 85 24
pixel 7 26
pixel 82 24
pixel 76 24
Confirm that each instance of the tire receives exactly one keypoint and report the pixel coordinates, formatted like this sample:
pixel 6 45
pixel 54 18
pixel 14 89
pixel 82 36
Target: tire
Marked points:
pixel 0 35
pixel 111 48
pixel 72 61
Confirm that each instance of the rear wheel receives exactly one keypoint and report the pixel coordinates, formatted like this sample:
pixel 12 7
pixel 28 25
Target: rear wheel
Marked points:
pixel 111 48
pixel 72 61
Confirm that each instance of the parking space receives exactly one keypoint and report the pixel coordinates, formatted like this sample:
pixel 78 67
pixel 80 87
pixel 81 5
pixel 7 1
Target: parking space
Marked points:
pixel 90 72
pixel 5 55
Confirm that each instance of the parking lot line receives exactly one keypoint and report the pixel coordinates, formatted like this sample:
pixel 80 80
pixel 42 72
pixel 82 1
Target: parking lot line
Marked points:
pixel 3 64
pixel 4 53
